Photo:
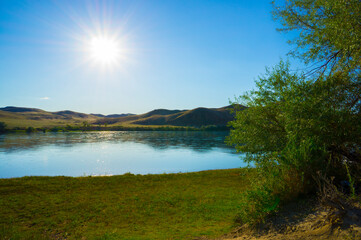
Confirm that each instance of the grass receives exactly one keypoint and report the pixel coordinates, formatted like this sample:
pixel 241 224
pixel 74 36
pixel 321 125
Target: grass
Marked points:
pixel 39 120
pixel 167 206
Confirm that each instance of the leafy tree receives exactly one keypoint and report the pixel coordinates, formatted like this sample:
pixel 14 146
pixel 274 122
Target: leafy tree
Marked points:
pixel 85 125
pixel 294 127
pixel 30 130
pixel 329 32
pixel 293 121
pixel 2 127
pixel 329 38
pixel 297 124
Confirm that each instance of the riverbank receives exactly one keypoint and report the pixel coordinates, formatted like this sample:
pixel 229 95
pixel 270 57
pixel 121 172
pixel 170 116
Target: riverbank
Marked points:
pixel 166 206
pixel 112 128
pixel 306 219
pixel 199 205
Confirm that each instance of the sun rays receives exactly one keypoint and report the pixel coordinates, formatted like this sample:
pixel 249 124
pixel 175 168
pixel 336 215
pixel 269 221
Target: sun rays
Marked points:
pixel 104 50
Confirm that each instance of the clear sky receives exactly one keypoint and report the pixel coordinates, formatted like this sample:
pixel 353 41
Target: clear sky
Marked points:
pixel 174 54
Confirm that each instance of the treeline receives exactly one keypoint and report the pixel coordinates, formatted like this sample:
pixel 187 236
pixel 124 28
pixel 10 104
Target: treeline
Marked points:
pixel 87 127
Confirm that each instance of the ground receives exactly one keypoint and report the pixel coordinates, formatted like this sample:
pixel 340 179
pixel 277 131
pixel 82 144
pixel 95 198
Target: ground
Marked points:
pixel 306 220
pixel 200 205
pixel 163 206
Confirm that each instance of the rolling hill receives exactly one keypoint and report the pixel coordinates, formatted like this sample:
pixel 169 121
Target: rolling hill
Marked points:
pixel 197 117
pixel 24 117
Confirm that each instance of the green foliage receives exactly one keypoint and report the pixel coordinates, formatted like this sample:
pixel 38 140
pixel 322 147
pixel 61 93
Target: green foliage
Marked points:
pixel 85 125
pixel 329 32
pixel 214 128
pixel 298 124
pixel 257 202
pixel 58 129
pixel 270 186
pixel 351 181
pixel 294 125
pixel 2 127
pixel 30 130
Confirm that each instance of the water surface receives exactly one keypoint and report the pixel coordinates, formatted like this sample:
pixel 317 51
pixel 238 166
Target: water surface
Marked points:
pixel 111 153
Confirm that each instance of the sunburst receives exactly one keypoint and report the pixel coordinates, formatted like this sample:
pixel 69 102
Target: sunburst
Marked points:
pixel 104 50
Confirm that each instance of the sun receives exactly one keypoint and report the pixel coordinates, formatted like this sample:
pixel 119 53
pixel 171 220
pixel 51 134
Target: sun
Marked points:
pixel 104 50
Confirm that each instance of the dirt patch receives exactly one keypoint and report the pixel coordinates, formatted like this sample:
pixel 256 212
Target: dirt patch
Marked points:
pixel 306 220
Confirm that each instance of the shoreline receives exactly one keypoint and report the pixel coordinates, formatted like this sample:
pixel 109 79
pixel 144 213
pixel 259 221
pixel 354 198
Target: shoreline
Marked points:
pixel 115 128
pixel 124 174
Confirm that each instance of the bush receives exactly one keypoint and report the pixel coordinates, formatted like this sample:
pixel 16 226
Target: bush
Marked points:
pixel 302 124
pixel 257 203
pixel 270 186
pixel 30 130
pixel 2 127
pixel 56 129
pixel 295 127
pixel 299 126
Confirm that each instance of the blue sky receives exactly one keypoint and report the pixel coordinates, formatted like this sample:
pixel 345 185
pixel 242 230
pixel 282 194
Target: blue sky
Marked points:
pixel 175 54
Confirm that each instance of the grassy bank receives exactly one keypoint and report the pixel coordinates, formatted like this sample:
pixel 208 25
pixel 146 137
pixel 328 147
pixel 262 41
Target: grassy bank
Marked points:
pixel 167 206
pixel 113 128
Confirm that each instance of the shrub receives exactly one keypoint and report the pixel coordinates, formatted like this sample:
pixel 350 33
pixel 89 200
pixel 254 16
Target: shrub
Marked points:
pixel 300 126
pixel 2 127
pixel 295 127
pixel 30 130
pixel 56 129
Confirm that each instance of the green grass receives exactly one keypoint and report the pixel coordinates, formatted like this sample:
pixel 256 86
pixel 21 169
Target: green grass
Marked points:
pixel 167 206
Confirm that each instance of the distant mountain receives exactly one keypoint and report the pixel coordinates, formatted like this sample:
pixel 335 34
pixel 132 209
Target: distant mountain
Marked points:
pixel 67 113
pixel 112 115
pixel 97 115
pixel 161 112
pixel 23 117
pixel 20 109
pixel 196 117
pixel 119 115
pixel 64 113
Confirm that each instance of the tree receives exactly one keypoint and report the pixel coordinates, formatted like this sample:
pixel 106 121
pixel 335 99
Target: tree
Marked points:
pixel 329 37
pixel 291 130
pixel 30 130
pixel 329 32
pixel 299 123
pixel 2 127
pixel 287 111
pixel 293 121
pixel 85 125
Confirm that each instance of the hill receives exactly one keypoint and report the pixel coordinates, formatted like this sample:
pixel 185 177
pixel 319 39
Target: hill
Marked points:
pixel 71 114
pixel 20 109
pixel 195 118
pixel 24 117
pixel 20 117
pixel 112 115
